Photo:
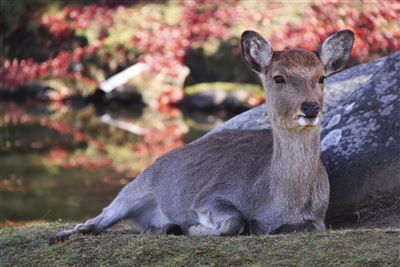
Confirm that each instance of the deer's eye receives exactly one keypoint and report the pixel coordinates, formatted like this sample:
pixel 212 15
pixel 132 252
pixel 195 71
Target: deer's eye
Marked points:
pixel 279 79
pixel 322 79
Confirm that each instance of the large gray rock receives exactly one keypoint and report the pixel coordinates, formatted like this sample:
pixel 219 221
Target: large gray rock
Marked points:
pixel 360 142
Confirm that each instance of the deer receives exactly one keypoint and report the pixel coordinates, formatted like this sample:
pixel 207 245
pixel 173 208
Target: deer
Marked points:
pixel 237 182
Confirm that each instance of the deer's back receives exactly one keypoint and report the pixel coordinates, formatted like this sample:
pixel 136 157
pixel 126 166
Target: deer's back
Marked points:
pixel 225 165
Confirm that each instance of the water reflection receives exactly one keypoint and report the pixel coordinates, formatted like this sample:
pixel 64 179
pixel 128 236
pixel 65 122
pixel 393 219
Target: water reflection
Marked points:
pixel 64 162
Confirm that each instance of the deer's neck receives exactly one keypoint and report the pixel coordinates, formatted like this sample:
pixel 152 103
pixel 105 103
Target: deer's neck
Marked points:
pixel 295 163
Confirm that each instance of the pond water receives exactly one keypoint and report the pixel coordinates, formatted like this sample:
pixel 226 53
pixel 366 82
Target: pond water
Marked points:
pixel 67 163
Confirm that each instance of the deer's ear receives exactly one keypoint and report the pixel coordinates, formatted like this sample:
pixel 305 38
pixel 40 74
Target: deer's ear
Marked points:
pixel 256 51
pixel 335 51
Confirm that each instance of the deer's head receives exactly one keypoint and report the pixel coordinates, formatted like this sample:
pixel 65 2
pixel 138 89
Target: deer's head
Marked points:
pixel 293 79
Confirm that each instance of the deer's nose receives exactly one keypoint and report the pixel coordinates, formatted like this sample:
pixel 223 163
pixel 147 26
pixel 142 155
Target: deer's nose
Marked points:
pixel 310 109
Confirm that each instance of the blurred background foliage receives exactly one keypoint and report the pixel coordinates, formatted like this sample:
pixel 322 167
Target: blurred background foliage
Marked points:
pixel 63 160
pixel 88 41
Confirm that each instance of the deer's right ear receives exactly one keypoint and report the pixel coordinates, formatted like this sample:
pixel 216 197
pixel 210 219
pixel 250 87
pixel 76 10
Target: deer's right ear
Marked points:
pixel 256 51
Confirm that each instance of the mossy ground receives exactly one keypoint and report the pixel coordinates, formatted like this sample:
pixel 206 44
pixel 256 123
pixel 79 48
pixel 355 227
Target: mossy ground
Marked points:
pixel 28 245
pixel 255 90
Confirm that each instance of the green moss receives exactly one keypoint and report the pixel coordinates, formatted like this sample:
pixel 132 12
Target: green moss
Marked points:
pixel 256 90
pixel 28 245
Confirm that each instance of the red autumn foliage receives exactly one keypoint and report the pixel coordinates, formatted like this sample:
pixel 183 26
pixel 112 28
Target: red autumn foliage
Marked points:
pixel 20 72
pixel 164 46
pixel 373 36
pixel 64 24
pixel 14 114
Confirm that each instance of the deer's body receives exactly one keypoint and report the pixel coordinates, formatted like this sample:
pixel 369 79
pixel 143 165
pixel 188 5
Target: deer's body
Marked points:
pixel 236 182
pixel 262 203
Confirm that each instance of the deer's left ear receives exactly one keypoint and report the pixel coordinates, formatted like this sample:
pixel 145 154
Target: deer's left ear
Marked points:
pixel 335 51
pixel 256 51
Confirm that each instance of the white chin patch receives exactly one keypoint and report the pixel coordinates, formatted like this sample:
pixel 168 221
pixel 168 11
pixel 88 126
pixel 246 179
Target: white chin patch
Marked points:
pixel 303 121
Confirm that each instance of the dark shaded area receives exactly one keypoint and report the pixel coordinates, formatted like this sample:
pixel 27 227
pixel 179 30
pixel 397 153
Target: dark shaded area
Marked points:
pixel 128 97
pixel 120 97
pixel 19 30
pixel 226 64
pixel 205 102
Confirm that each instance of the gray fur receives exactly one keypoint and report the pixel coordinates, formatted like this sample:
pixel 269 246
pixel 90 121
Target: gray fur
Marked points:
pixel 335 51
pixel 256 51
pixel 235 182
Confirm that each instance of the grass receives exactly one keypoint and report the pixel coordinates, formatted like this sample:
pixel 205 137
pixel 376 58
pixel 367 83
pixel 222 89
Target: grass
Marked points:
pixel 28 245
